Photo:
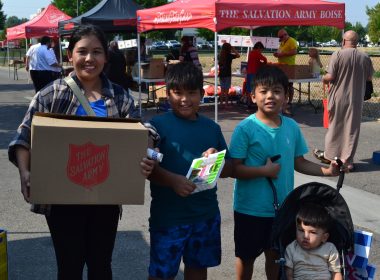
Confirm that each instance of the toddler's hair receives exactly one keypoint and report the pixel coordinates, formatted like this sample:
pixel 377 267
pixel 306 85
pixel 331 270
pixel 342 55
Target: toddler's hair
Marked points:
pixel 315 215
pixel 184 75
pixel 269 75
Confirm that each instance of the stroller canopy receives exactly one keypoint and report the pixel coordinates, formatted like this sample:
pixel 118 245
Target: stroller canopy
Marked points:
pixel 341 233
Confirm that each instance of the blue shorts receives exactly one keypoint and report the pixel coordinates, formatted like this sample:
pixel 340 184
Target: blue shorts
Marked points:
pixel 225 82
pixel 199 244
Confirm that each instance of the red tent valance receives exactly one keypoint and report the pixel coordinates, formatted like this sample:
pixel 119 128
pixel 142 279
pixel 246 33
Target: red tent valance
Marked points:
pixel 217 15
pixel 44 24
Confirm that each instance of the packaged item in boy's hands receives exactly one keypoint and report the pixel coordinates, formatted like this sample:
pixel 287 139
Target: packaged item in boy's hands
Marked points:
pixel 204 172
pixel 3 255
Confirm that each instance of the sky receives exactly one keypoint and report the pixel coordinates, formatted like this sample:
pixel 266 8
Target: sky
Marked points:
pixel 355 9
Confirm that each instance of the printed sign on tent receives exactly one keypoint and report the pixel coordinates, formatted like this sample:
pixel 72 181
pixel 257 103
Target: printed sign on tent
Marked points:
pixel 256 39
pixel 223 39
pixel 272 43
pixel 128 44
pixel 246 41
pixel 236 41
pixel 121 44
pixel 134 42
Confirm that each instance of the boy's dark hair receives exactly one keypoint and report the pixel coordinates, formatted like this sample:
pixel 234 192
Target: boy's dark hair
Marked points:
pixel 269 75
pixel 87 30
pixel 184 75
pixel 315 215
pixel 258 45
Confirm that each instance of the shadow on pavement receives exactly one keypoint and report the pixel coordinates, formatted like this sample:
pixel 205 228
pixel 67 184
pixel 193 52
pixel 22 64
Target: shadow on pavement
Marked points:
pixel 10 118
pixel 34 258
pixel 15 87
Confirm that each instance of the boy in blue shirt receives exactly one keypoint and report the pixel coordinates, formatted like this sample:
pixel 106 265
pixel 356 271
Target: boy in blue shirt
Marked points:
pixel 182 224
pixel 255 140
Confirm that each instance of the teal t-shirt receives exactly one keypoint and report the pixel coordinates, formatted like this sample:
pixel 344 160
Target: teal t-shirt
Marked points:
pixel 183 140
pixel 255 142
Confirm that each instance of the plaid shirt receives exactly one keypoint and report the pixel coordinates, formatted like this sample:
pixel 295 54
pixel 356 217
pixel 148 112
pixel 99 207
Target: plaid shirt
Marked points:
pixel 59 98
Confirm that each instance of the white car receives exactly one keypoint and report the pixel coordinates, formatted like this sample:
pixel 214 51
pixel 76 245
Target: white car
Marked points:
pixel 173 44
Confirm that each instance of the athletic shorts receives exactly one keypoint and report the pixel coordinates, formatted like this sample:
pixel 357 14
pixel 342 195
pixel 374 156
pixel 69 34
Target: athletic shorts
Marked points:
pixel 198 244
pixel 225 82
pixel 251 235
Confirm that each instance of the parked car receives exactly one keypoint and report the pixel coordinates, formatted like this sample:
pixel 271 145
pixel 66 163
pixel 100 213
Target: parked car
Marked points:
pixel 159 45
pixel 204 46
pixel 173 44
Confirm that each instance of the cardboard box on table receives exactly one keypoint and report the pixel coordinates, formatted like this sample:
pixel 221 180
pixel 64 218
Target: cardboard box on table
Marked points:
pixel 86 160
pixel 155 69
pixel 296 71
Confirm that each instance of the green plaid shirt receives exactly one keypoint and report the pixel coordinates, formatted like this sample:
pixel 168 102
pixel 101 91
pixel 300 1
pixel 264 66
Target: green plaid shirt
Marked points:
pixel 59 98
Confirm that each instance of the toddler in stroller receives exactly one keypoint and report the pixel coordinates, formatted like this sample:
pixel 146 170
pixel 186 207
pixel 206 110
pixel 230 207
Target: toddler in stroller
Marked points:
pixel 310 255
pixel 313 197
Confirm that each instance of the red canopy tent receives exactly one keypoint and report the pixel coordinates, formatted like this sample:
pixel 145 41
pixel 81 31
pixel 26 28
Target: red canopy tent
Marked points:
pixel 44 24
pixel 217 15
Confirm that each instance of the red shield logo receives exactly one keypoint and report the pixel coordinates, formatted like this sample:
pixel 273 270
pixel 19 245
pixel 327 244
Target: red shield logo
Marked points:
pixel 88 165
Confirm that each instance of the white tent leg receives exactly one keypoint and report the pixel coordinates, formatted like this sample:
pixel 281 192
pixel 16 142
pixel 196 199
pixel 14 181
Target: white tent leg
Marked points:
pixel 139 72
pixel 216 75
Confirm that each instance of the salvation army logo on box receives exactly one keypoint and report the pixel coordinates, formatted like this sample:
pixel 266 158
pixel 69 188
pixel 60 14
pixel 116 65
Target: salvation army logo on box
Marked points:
pixel 88 164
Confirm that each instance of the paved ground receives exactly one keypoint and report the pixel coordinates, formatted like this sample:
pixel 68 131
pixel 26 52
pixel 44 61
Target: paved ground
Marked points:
pixel 30 250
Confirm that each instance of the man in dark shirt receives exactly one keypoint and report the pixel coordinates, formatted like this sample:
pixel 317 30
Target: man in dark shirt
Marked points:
pixel 116 66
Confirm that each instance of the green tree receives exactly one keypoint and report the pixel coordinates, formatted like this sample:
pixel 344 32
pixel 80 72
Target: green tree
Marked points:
pixel 70 6
pixel 151 3
pixel 2 16
pixel 13 21
pixel 374 22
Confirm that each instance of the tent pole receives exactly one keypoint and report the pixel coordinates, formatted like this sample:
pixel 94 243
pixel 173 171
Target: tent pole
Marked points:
pixel 9 66
pixel 139 71
pixel 60 50
pixel 216 74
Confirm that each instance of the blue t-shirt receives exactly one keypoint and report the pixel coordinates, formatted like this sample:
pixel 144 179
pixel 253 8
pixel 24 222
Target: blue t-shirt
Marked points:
pixel 255 142
pixel 99 107
pixel 183 140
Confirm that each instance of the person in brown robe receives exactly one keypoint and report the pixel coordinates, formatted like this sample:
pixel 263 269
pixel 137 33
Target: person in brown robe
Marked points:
pixel 347 73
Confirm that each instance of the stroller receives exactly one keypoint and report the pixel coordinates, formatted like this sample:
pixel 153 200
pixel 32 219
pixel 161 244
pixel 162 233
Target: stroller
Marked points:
pixel 341 233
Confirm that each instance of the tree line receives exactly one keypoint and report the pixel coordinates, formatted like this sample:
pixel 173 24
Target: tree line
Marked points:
pixel 302 33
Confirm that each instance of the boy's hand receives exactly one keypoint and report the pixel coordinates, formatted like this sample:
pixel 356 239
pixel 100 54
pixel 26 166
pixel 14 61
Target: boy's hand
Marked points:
pixel 271 169
pixel 183 186
pixel 147 166
pixel 209 152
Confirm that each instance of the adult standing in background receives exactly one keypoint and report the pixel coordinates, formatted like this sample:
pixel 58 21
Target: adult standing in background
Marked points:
pixel 255 60
pixel 116 66
pixel 188 52
pixel 31 61
pixel 286 54
pixel 46 67
pixel 347 73
pixel 54 49
pixel 227 54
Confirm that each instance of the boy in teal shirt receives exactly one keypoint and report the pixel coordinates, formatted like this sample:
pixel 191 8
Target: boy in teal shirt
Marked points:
pixel 183 225
pixel 255 140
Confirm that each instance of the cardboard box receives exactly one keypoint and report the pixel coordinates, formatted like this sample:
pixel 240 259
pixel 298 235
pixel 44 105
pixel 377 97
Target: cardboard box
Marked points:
pixel 296 71
pixel 154 70
pixel 87 160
